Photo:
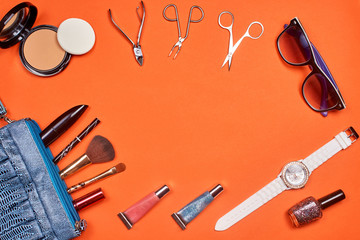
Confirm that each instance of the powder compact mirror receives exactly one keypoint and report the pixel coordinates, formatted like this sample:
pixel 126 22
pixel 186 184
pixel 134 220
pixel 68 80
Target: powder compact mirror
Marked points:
pixel 40 51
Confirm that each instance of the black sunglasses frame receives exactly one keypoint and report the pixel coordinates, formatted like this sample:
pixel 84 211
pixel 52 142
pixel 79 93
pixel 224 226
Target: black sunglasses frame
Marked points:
pixel 314 66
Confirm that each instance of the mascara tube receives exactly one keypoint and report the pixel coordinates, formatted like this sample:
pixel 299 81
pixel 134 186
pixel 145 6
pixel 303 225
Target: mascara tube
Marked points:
pixel 61 124
pixel 134 213
pixel 191 210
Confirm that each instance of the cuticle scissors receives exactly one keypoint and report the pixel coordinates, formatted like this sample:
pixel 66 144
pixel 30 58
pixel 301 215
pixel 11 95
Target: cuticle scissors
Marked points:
pixel 232 47
pixel 182 39
pixel 136 47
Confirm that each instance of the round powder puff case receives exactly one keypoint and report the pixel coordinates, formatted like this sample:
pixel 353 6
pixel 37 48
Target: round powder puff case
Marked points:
pixel 40 51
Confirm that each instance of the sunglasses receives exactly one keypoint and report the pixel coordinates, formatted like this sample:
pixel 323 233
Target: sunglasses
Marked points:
pixel 319 89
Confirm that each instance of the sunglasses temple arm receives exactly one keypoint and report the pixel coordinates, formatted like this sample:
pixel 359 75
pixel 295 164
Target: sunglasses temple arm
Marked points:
pixel 324 90
pixel 323 65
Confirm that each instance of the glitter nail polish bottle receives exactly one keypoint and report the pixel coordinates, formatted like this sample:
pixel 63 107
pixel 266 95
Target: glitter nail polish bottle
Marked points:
pixel 310 209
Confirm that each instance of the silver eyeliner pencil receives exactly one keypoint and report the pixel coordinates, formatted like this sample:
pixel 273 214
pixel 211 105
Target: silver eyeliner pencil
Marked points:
pixel 76 140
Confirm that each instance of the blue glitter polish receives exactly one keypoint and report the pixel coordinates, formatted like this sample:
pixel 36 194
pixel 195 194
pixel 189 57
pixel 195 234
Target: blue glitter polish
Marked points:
pixel 191 210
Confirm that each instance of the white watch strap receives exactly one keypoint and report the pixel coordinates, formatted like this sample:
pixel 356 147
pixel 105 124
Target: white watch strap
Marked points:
pixel 340 142
pixel 251 204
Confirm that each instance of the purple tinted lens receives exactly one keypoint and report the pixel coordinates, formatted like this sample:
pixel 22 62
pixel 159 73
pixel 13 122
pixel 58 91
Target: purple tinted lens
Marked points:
pixel 293 46
pixel 319 93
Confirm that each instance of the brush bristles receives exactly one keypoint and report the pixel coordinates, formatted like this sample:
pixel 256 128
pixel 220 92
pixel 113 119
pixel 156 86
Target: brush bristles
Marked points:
pixel 100 150
pixel 120 167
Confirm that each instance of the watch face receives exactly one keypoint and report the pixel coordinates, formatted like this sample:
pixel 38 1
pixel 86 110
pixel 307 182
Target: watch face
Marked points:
pixel 295 175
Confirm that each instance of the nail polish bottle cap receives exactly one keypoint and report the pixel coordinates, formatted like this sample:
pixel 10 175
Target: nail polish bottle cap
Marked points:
pixel 162 191
pixel 216 190
pixel 331 199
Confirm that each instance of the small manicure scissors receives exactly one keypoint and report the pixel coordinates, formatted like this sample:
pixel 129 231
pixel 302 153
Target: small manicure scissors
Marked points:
pixel 182 39
pixel 136 47
pixel 232 47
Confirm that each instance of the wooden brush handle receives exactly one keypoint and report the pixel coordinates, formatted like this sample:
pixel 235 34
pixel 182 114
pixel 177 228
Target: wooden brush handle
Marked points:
pixel 103 175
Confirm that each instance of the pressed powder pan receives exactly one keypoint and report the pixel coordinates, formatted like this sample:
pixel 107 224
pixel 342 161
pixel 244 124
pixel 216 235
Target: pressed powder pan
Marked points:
pixel 40 52
pixel 39 49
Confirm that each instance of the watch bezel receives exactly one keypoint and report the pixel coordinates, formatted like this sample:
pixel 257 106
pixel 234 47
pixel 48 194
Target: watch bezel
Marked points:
pixel 287 183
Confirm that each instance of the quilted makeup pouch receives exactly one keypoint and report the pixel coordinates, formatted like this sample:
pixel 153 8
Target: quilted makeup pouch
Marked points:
pixel 34 203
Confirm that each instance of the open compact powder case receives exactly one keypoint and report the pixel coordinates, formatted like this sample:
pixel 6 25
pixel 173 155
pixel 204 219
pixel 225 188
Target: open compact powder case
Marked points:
pixel 39 49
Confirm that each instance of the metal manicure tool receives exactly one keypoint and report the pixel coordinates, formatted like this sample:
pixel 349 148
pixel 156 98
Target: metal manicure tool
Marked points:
pixel 137 48
pixel 232 47
pixel 182 39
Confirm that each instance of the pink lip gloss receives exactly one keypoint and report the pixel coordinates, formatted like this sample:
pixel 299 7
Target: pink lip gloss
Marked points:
pixel 134 213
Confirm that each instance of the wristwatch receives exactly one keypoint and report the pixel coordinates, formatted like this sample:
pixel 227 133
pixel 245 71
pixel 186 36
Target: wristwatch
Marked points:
pixel 294 175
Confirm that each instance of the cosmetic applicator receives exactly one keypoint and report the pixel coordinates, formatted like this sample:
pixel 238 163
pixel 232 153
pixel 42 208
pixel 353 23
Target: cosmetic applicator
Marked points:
pixel 100 150
pixel 112 171
pixel 61 124
pixel 185 215
pixel 76 140
pixel 134 213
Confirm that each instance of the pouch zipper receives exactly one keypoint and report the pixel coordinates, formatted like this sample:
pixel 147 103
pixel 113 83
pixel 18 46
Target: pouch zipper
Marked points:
pixel 3 113
pixel 59 185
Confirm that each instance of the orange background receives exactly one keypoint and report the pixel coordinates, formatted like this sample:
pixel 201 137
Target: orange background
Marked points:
pixel 190 124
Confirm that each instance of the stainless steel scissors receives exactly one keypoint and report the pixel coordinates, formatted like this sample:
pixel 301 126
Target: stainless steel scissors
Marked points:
pixel 232 47
pixel 136 47
pixel 182 39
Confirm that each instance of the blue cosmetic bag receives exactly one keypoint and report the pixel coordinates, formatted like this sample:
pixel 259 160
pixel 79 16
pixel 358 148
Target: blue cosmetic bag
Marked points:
pixel 34 203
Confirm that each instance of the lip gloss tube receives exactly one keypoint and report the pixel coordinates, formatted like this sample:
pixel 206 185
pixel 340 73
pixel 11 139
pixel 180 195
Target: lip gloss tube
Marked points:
pixel 134 213
pixel 191 210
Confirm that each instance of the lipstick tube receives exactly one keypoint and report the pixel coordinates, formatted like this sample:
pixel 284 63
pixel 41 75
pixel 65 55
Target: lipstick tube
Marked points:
pixel 88 199
pixel 134 213
pixel 191 210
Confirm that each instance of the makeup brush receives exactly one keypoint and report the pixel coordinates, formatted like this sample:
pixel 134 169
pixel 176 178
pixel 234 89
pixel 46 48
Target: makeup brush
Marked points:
pixel 100 150
pixel 112 171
